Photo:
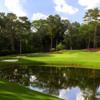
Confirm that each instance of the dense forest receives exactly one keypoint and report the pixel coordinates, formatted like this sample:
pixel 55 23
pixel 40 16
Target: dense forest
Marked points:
pixel 19 35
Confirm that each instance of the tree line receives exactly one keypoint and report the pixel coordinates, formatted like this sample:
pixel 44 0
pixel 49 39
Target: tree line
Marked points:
pixel 19 35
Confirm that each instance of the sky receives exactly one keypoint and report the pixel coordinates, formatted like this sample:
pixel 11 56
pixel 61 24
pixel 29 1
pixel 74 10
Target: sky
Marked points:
pixel 73 10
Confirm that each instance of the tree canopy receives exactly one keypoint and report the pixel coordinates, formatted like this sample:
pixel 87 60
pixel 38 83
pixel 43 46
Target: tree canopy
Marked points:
pixel 19 35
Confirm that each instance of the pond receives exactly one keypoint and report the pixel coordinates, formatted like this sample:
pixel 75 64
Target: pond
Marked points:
pixel 65 83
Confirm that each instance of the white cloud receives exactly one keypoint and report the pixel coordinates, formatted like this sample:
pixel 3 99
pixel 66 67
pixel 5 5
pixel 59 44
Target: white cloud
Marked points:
pixel 15 6
pixel 62 94
pixel 64 18
pixel 80 97
pixel 67 94
pixel 37 16
pixel 2 8
pixel 88 4
pixel 61 6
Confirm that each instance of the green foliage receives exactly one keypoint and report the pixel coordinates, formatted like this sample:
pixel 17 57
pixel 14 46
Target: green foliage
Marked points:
pixel 92 16
pixel 53 49
pixel 60 46
pixel 20 35
pixel 7 52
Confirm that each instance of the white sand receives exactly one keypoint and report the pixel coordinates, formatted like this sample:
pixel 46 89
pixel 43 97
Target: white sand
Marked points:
pixel 10 60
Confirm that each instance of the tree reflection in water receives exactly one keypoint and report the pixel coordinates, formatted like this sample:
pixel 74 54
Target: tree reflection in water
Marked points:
pixel 83 83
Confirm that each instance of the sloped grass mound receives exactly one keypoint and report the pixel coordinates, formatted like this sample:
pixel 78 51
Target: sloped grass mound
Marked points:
pixel 12 91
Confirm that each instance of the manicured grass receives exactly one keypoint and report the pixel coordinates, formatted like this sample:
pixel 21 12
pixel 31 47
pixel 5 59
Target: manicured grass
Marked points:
pixel 78 58
pixel 12 91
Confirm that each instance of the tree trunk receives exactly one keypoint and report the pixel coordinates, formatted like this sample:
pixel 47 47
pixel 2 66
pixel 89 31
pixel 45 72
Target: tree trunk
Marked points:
pixel 71 43
pixel 12 43
pixel 51 42
pixel 56 44
pixel 20 46
pixel 89 41
pixel 94 43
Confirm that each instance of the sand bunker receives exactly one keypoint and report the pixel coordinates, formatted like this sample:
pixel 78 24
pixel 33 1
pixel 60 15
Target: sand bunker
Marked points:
pixel 10 60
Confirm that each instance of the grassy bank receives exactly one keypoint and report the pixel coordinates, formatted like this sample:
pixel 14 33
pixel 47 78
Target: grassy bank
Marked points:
pixel 12 91
pixel 80 59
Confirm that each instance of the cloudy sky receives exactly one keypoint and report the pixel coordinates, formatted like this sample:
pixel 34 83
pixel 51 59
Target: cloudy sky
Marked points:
pixel 73 10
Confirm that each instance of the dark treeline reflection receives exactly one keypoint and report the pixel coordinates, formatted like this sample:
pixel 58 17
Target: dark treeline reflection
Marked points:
pixel 53 79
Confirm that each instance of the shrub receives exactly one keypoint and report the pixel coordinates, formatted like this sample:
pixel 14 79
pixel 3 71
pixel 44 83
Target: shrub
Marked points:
pixel 53 49
pixel 7 52
pixel 60 46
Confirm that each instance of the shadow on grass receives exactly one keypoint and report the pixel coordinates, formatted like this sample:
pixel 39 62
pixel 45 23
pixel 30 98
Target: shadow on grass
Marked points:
pixel 23 61
pixel 38 55
pixel 20 62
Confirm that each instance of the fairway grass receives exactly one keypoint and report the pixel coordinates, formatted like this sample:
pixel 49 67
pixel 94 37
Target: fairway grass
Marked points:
pixel 78 59
pixel 12 91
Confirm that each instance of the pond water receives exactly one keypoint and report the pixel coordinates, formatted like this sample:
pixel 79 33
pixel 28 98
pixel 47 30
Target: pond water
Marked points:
pixel 66 83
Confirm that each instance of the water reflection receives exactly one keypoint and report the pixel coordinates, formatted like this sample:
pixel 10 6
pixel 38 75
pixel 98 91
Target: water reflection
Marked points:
pixel 67 83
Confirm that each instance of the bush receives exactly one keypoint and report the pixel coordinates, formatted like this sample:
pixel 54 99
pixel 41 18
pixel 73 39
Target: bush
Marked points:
pixel 7 52
pixel 60 46
pixel 53 49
